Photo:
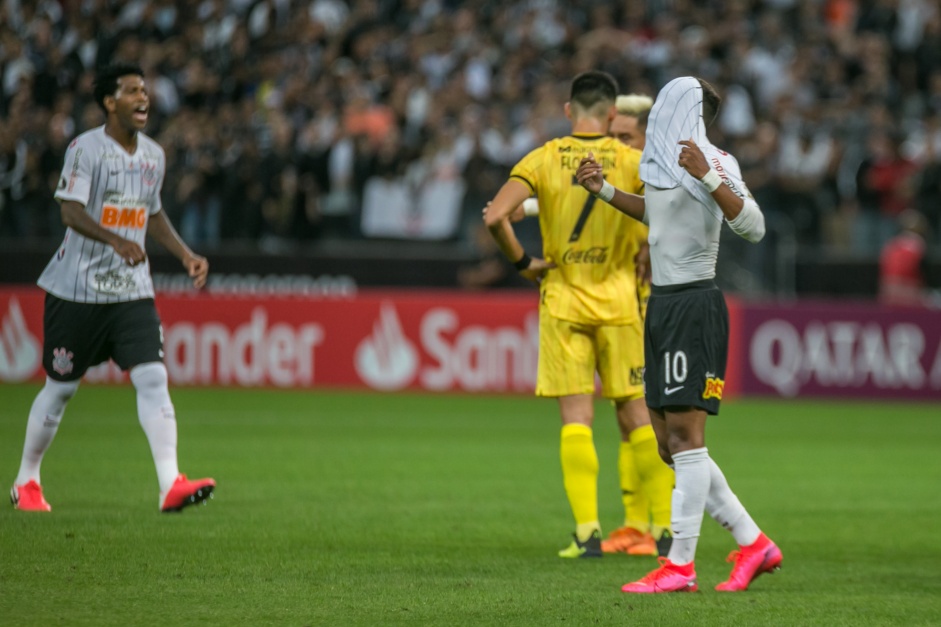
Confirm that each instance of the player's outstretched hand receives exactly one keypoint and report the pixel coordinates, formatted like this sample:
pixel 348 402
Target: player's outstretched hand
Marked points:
pixel 536 270
pixel 197 267
pixel 692 159
pixel 129 251
pixel 589 174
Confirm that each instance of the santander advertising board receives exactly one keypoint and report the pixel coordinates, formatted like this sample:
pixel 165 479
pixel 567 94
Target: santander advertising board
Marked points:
pixel 386 341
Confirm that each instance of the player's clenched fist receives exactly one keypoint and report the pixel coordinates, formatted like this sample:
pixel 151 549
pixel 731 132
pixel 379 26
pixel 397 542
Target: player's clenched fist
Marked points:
pixel 692 159
pixel 197 267
pixel 589 174
pixel 130 252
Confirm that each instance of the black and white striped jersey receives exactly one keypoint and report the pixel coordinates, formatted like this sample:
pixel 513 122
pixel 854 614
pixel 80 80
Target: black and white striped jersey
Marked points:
pixel 120 191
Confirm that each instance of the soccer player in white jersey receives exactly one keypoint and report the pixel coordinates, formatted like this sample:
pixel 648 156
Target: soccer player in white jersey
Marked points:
pixel 99 293
pixel 692 187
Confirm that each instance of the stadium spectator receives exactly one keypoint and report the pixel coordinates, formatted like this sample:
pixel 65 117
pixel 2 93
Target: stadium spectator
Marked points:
pixel 885 184
pixel 404 69
pixel 14 155
pixel 805 159
pixel 901 263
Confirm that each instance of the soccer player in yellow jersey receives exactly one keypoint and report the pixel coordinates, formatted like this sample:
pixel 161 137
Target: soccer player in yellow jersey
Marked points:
pixel 646 482
pixel 589 315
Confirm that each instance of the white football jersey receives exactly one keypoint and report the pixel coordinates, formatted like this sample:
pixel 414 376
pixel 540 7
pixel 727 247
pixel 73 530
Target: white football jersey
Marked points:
pixel 684 231
pixel 120 191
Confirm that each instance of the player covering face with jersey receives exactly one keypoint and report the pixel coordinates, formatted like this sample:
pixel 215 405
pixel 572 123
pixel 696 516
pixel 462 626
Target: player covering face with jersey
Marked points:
pixel 692 187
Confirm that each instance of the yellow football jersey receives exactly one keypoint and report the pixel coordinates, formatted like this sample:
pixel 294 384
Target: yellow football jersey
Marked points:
pixel 593 246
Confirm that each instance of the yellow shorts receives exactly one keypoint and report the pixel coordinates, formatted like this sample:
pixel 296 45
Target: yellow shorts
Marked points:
pixel 570 353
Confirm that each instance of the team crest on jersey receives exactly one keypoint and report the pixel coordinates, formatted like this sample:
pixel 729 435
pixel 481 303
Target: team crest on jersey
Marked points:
pixel 148 173
pixel 62 360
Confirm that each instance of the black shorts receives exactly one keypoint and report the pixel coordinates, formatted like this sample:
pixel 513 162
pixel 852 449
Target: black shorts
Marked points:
pixel 686 345
pixel 77 336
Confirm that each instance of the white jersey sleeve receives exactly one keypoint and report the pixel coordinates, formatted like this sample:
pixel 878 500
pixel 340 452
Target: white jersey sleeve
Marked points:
pixel 750 223
pixel 728 169
pixel 75 182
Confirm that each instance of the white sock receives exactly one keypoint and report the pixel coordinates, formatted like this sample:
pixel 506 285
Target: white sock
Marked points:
pixel 727 510
pixel 41 427
pixel 689 502
pixel 158 419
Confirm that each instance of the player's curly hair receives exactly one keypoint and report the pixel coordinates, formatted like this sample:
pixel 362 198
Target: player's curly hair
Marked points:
pixel 106 80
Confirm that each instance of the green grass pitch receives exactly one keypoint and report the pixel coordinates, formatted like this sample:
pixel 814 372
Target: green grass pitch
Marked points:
pixel 369 509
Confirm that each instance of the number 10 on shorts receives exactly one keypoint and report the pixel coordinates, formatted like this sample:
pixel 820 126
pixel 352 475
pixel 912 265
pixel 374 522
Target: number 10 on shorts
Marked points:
pixel 675 367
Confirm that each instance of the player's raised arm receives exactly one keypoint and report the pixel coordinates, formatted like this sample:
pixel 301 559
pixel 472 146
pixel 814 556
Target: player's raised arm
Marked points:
pixel 743 214
pixel 590 176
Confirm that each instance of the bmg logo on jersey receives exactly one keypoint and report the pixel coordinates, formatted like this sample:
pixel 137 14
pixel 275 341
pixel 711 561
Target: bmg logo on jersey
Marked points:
pixel 114 217
pixel 714 388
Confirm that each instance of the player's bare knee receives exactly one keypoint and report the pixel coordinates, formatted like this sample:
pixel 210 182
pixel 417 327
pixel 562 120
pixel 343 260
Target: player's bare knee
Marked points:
pixel 680 438
pixel 577 409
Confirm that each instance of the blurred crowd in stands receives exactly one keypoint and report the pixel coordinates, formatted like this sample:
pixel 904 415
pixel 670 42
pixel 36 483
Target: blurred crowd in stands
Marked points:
pixel 290 121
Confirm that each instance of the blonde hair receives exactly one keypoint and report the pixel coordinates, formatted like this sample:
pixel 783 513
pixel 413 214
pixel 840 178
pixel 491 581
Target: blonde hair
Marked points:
pixel 633 104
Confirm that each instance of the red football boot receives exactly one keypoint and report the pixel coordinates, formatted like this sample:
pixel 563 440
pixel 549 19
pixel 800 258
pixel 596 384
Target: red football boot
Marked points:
pixel 185 492
pixel 762 556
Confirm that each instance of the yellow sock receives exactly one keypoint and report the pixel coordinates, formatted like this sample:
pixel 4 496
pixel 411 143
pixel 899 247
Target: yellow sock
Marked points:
pixel 580 476
pixel 656 477
pixel 636 506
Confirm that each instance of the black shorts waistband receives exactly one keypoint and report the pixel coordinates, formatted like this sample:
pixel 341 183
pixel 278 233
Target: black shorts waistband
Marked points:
pixel 694 286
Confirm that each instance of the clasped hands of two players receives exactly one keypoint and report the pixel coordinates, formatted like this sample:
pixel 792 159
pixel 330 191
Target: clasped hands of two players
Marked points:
pixel 197 266
pixel 590 175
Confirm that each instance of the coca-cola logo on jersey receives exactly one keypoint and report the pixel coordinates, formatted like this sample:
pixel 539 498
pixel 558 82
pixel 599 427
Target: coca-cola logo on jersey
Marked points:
pixel 595 254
